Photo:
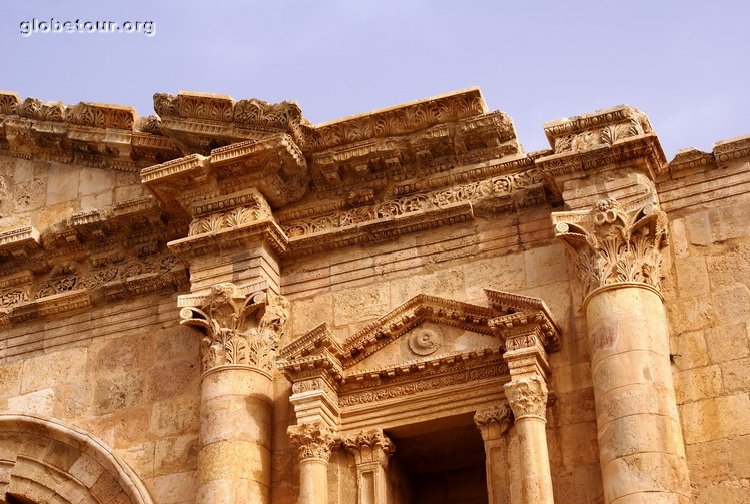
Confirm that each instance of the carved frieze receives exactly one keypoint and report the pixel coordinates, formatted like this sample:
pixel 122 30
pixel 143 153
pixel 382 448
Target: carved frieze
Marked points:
pixel 474 192
pixel 312 440
pixel 240 326
pixel 615 243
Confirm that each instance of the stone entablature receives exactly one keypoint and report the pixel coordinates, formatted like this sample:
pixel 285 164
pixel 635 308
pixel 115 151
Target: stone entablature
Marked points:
pixel 229 199
pixel 91 134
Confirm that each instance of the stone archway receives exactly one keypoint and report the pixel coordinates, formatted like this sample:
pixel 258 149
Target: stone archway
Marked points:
pixel 46 462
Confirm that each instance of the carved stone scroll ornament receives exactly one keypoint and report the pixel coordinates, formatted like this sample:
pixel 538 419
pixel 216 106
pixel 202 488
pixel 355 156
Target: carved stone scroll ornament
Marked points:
pixel 239 329
pixel 312 440
pixel 527 397
pixel 615 243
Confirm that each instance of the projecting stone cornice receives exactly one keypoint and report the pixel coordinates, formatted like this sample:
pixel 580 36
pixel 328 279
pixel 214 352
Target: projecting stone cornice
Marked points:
pixel 600 141
pixel 89 134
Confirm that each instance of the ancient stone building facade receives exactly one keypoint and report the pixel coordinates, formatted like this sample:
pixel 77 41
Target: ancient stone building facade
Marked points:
pixel 228 304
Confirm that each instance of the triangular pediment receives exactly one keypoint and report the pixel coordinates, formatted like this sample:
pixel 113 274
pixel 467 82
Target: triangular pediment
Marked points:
pixel 427 342
pixel 426 332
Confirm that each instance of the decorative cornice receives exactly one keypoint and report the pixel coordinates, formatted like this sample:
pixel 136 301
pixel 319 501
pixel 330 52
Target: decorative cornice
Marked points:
pixel 273 166
pixel 19 241
pixel 313 441
pixel 527 397
pixel 401 119
pixel 602 126
pixel 47 306
pixel 613 243
pixel 198 121
pixel 241 326
pixel 91 134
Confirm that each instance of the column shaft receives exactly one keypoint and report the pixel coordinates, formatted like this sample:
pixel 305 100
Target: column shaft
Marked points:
pixel 641 448
pixel 536 480
pixel 234 461
pixel 527 397
pixel 313 481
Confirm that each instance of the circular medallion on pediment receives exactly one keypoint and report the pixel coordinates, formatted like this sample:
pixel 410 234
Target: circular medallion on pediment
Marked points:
pixel 425 342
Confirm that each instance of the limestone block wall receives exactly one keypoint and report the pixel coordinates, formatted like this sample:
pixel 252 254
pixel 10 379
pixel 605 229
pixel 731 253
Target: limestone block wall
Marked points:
pixel 126 374
pixel 708 302
pixel 42 193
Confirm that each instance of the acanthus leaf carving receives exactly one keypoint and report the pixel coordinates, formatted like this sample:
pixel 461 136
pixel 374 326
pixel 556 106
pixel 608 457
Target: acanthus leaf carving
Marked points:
pixel 239 328
pixel 527 397
pixel 494 421
pixel 613 244
pixel 312 440
pixel 371 439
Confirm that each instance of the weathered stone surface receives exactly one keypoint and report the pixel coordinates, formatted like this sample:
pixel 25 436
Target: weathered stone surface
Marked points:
pixel 399 306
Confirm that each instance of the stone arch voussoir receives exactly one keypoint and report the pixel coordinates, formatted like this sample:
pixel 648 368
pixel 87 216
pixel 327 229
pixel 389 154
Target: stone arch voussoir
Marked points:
pixel 46 462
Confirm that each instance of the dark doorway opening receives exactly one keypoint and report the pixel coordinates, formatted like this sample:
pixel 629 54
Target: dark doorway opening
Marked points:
pixel 439 462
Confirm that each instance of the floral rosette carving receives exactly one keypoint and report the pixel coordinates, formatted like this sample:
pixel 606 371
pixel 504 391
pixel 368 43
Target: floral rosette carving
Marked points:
pixel 238 329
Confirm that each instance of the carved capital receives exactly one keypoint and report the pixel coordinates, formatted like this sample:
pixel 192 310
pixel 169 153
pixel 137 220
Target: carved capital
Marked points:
pixel 312 440
pixel 493 422
pixel 615 243
pixel 241 326
pixel 527 397
pixel 371 449
pixel 372 439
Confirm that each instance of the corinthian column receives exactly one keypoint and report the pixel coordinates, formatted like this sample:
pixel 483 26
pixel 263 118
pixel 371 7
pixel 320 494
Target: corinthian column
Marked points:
pixel 617 251
pixel 314 442
pixel 241 328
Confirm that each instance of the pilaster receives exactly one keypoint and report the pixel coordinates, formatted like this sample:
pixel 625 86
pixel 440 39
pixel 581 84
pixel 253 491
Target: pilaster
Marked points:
pixel 371 449
pixel 494 422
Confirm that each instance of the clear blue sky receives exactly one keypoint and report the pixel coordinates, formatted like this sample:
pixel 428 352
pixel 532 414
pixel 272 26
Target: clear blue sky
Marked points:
pixel 686 64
